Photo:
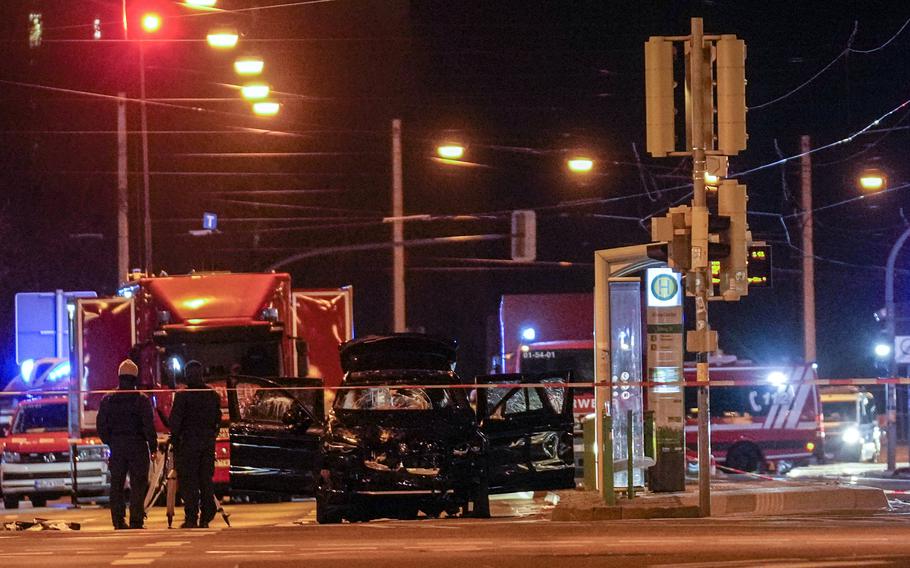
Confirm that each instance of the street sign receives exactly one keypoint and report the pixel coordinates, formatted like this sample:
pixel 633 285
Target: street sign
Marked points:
pixel 663 288
pixel 210 221
pixel 902 349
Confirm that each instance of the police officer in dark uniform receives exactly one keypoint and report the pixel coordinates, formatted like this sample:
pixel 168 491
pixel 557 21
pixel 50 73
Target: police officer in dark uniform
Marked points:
pixel 195 420
pixel 126 425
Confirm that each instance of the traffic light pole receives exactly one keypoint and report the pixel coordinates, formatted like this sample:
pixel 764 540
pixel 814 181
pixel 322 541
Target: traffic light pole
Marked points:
pixel 890 388
pixel 701 268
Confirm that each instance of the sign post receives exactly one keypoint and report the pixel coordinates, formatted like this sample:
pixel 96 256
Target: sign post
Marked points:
pixel 665 376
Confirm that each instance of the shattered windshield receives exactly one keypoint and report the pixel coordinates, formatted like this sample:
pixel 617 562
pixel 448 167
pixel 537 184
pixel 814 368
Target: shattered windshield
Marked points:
pixel 394 398
pixel 44 418
pixel 384 398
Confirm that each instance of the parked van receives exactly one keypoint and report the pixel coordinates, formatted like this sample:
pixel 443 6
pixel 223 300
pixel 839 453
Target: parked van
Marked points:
pixel 851 425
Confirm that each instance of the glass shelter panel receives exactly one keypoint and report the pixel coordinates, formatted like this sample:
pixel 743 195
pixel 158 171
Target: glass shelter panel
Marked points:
pixel 626 358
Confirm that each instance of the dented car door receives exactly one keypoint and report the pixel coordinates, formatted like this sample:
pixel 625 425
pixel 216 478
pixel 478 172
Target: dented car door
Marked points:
pixel 527 423
pixel 275 437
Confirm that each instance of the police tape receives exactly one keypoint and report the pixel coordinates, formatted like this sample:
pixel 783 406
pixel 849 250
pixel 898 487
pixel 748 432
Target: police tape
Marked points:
pixel 247 386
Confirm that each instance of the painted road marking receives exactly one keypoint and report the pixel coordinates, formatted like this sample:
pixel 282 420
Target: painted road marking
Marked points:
pixel 144 557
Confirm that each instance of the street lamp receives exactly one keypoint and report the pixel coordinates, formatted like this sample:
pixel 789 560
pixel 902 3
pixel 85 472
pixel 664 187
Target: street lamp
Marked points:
pixel 450 151
pixel 201 3
pixel 248 65
pixel 255 91
pixel 872 180
pixel 266 108
pixel 580 164
pixel 222 38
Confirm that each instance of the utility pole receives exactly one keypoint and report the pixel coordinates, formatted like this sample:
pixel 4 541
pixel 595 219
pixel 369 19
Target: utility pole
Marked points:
pixel 123 201
pixel 891 326
pixel 809 355
pixel 146 211
pixel 398 290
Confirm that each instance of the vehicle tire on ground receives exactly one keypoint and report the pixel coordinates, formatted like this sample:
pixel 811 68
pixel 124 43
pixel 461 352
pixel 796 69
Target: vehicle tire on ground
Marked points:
pixel 744 457
pixel 38 501
pixel 326 514
pixel 407 512
pixel 481 502
pixel 11 501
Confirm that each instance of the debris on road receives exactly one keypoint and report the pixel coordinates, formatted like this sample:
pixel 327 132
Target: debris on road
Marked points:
pixel 40 525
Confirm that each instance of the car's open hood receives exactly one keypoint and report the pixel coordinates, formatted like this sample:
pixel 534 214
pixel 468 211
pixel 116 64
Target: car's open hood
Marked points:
pixel 398 351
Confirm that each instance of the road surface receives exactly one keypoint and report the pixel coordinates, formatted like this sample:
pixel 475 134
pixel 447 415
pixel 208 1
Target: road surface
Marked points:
pixel 284 535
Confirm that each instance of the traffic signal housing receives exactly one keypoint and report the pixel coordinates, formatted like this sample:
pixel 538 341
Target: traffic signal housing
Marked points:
pixel 675 228
pixel 734 239
pixel 731 95
pixel 660 110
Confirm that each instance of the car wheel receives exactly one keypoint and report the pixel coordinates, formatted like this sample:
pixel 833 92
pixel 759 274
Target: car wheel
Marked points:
pixel 482 501
pixel 38 501
pixel 11 501
pixel 745 457
pixel 325 513
pixel 407 512
pixel 432 511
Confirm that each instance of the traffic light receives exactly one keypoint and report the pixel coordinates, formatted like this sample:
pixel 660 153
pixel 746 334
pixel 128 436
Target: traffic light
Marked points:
pixel 675 228
pixel 524 235
pixel 35 29
pixel 731 95
pixel 733 240
pixel 659 108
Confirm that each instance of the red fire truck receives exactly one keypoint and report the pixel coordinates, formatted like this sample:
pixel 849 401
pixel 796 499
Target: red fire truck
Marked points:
pixel 761 417
pixel 248 325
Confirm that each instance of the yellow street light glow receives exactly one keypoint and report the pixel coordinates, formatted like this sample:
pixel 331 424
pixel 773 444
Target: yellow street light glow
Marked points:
pixel 151 23
pixel 253 91
pixel 711 179
pixel 249 65
pixel 580 165
pixel 266 108
pixel 201 3
pixel 872 180
pixel 222 39
pixel 450 151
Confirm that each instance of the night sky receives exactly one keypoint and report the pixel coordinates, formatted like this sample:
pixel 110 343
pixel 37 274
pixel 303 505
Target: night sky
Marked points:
pixel 522 84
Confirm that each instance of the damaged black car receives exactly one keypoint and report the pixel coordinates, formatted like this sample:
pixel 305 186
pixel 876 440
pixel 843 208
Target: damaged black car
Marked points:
pixel 402 436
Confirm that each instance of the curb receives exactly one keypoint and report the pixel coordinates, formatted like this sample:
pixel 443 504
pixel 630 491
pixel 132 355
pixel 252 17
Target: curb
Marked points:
pixel 586 506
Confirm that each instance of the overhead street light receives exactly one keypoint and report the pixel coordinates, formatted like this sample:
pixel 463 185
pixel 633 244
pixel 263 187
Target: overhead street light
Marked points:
pixel 248 65
pixel 873 180
pixel 201 3
pixel 580 165
pixel 223 38
pixel 266 108
pixel 255 91
pixel 450 151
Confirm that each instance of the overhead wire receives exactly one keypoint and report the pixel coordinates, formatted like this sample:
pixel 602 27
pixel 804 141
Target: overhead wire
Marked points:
pixel 846 51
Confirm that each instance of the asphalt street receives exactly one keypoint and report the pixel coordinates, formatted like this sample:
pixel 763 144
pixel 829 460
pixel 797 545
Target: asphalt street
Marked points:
pixel 519 535
pixel 528 541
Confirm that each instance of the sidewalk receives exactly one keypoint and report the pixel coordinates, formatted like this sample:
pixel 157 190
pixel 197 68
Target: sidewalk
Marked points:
pixel 727 499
